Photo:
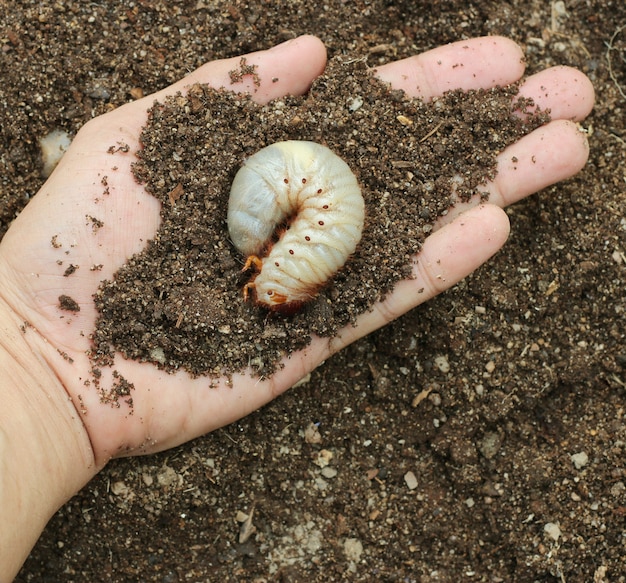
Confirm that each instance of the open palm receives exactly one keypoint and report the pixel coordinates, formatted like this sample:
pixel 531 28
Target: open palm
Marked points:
pixel 91 216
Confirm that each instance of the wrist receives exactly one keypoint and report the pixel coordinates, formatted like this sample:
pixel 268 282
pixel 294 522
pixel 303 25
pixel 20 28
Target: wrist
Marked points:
pixel 45 454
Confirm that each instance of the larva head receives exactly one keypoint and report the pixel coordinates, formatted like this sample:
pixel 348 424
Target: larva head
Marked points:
pixel 276 297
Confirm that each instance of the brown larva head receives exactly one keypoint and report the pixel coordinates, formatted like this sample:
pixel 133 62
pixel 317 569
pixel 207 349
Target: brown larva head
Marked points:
pixel 273 296
pixel 288 309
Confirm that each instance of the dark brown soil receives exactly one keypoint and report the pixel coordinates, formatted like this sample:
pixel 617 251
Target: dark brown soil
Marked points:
pixel 439 448
pixel 179 303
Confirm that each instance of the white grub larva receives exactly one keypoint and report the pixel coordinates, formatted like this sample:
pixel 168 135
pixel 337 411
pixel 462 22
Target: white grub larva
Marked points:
pixel 300 205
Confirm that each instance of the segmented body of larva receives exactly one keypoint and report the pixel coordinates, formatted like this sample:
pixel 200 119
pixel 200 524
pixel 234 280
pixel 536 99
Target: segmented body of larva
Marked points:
pixel 310 195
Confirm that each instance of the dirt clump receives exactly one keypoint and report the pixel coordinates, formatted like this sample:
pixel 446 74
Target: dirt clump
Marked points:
pixel 478 438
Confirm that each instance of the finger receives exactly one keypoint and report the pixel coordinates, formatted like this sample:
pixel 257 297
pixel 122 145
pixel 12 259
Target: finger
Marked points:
pixel 286 69
pixel 549 154
pixel 448 255
pixel 565 91
pixel 472 64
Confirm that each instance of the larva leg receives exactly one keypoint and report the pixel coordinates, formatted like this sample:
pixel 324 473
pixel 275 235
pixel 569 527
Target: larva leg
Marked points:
pixel 252 260
pixel 246 290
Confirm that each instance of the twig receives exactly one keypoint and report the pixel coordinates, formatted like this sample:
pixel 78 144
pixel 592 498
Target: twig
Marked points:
pixel 431 132
pixel 611 47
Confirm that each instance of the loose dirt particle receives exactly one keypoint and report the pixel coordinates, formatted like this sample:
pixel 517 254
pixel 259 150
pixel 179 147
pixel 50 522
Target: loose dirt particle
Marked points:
pixel 70 269
pixel 237 75
pixel 68 304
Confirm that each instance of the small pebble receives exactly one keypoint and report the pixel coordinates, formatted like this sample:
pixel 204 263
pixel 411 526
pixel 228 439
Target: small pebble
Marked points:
pixel 158 355
pixel 329 472
pixel 323 458
pixel 312 434
pixel 410 480
pixel 353 548
pixel 355 103
pixel 580 460
pixel 441 362
pixel 559 8
pixel 490 444
pixel 167 477
pixel 119 488
pixel 618 489
pixel 53 146
pixel 552 530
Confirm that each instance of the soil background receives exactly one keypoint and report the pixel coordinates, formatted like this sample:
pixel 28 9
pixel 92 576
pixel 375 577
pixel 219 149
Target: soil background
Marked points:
pixel 481 437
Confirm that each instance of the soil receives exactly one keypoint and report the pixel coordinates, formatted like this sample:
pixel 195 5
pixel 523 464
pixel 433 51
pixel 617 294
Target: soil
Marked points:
pixel 480 437
pixel 179 302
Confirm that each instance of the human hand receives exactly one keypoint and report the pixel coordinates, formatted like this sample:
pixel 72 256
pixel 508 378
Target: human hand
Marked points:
pixel 170 409
pixel 47 361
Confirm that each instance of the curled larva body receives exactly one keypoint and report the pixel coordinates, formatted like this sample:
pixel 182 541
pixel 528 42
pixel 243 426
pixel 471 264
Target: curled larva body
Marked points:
pixel 314 194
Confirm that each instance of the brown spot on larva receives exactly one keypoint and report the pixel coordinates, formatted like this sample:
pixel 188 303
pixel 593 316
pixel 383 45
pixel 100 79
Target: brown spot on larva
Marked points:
pixel 286 180
pixel 290 251
pixel 304 181
pixel 320 223
pixel 307 238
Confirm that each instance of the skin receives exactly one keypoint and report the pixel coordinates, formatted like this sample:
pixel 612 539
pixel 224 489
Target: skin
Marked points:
pixel 55 435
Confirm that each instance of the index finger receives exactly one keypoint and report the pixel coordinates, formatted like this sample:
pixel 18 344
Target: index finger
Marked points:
pixel 469 64
pixel 287 68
